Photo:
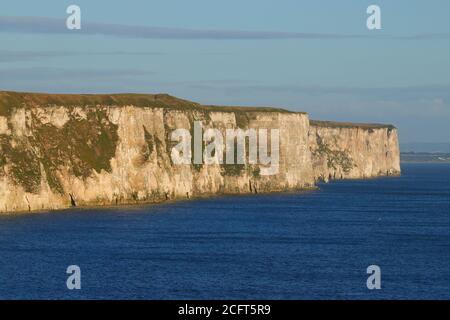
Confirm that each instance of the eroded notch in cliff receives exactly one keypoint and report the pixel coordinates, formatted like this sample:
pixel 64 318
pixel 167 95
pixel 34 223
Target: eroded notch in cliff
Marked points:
pixel 72 200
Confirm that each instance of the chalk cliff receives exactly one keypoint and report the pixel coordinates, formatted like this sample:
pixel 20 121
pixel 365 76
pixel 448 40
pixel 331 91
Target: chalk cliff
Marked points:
pixel 63 150
pixel 352 151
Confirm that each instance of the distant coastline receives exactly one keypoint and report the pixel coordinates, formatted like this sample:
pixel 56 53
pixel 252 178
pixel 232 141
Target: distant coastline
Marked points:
pixel 424 157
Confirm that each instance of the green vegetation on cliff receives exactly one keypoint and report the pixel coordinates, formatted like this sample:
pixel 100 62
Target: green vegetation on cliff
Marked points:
pixel 335 124
pixel 335 158
pixel 10 100
pixel 80 146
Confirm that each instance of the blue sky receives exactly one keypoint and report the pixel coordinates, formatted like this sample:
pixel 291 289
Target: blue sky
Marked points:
pixel 314 56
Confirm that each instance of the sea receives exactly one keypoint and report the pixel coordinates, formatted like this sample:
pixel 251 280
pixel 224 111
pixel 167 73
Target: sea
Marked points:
pixel 302 245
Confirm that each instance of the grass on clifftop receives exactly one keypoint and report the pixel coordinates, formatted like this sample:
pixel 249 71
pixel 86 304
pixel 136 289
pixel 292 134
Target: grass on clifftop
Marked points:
pixel 335 124
pixel 10 100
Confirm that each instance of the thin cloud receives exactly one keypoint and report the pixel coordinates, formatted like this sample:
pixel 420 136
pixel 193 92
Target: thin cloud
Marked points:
pixel 58 26
pixel 45 25
pixel 425 36
pixel 15 56
pixel 31 55
pixel 66 74
pixel 443 89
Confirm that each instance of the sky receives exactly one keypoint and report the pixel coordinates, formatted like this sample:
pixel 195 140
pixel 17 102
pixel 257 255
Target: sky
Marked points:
pixel 316 56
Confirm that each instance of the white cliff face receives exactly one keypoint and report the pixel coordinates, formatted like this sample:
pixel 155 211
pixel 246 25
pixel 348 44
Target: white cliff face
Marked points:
pixel 116 149
pixel 346 151
pixel 108 155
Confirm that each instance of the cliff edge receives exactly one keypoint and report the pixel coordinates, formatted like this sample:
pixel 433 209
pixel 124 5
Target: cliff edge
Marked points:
pixel 58 151
pixel 342 150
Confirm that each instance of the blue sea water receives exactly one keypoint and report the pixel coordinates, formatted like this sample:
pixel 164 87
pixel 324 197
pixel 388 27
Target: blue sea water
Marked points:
pixel 311 245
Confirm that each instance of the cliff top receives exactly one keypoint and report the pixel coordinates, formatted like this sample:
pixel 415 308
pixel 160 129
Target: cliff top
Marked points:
pixel 9 100
pixel 335 124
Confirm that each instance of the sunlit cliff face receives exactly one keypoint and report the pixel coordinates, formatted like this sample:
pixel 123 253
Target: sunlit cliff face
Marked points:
pixel 63 150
